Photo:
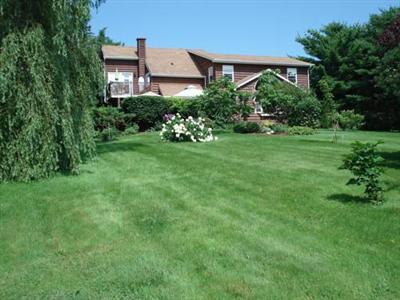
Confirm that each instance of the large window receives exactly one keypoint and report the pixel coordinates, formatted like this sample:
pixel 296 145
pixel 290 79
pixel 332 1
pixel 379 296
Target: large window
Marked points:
pixel 210 74
pixel 121 84
pixel 227 71
pixel 292 75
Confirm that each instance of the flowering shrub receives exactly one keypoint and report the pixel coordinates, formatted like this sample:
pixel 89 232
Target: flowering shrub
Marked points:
pixel 178 129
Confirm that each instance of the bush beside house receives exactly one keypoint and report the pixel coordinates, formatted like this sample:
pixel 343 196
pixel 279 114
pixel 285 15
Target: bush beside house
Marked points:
pixel 184 107
pixel 146 111
pixel 246 127
pixel 289 104
pixel 222 103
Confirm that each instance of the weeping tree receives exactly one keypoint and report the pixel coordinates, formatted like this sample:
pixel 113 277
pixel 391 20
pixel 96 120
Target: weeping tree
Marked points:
pixel 50 75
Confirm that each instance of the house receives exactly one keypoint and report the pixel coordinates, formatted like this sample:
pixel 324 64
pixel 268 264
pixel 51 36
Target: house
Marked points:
pixel 131 71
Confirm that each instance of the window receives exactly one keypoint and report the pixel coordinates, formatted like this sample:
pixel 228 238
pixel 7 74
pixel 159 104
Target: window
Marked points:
pixel 210 74
pixel 258 108
pixel 292 75
pixel 121 84
pixel 227 71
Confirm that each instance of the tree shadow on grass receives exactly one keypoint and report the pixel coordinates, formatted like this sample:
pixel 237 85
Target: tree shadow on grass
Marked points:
pixel 346 198
pixel 107 147
pixel 391 159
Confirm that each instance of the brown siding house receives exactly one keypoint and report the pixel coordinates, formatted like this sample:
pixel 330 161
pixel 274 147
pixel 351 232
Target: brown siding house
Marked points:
pixel 143 70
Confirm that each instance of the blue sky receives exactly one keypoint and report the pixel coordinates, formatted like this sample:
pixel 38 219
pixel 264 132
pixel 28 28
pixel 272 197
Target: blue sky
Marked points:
pixel 260 27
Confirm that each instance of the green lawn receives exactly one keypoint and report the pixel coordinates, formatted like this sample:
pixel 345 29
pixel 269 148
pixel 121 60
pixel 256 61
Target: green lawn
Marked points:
pixel 252 217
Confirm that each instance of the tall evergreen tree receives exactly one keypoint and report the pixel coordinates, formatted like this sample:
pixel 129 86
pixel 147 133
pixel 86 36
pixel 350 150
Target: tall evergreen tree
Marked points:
pixel 361 62
pixel 50 73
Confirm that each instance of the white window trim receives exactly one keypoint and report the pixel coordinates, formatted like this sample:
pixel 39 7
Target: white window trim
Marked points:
pixel 233 71
pixel 291 70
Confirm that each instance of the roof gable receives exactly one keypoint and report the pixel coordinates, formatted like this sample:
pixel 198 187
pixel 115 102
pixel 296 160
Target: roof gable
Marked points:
pixel 255 76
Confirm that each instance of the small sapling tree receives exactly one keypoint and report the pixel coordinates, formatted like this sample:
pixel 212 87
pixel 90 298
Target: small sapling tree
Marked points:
pixel 363 163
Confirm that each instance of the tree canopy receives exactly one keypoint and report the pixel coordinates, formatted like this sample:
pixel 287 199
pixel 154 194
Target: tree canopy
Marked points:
pixel 103 39
pixel 361 63
pixel 50 74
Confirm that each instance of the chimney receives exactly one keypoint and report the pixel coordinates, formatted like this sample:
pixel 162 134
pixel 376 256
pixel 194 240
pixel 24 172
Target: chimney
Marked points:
pixel 141 51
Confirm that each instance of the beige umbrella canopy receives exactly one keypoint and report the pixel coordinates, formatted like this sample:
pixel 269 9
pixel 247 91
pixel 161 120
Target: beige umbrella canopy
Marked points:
pixel 189 92
pixel 150 94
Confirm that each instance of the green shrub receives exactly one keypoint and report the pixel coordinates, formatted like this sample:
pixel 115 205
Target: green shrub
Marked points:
pixel 145 111
pixel 350 120
pixel 156 127
pixel 219 101
pixel 184 107
pixel 306 111
pixel 133 129
pixel 287 102
pixel 107 116
pixel 246 127
pixel 328 106
pixel 279 128
pixel 243 109
pixel 363 163
pixel 300 130
pixel 109 134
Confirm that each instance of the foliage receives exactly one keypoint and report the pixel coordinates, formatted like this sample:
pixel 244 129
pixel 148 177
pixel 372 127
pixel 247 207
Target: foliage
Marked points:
pixel 363 163
pixel 146 111
pixel 133 129
pixel 107 116
pixel 247 127
pixel 306 112
pixel 328 106
pixel 28 136
pixel 287 102
pixel 361 63
pixel 243 107
pixel 279 128
pixel 184 107
pixel 156 127
pixel 49 74
pixel 109 134
pixel 350 120
pixel 272 96
pixel 103 39
pixel 219 101
pixel 300 130
pixel 178 129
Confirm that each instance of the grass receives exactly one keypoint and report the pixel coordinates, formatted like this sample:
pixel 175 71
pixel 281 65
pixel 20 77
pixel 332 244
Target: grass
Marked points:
pixel 246 217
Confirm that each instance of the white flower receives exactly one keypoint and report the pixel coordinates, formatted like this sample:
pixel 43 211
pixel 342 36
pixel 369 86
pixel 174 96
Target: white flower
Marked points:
pixel 216 138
